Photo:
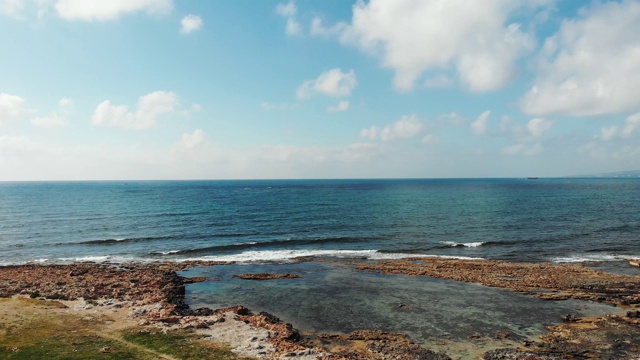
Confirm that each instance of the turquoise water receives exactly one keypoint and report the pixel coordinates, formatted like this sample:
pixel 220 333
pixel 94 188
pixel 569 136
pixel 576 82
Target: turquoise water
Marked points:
pixel 514 219
pixel 333 297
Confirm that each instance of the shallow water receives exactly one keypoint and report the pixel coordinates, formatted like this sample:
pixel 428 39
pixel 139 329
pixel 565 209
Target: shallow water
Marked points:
pixel 332 297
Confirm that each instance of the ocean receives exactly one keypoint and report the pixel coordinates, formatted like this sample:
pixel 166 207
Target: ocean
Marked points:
pixel 559 219
pixel 264 225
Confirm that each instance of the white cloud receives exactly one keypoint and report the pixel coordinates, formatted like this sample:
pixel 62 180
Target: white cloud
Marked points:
pixel 12 108
pixel 287 10
pixel 592 65
pixel 538 127
pixel 149 108
pixel 413 37
pixel 631 124
pixel 438 81
pixel 17 146
pixel 11 7
pixel 454 119
pixel 65 103
pixel 318 29
pixel 407 126
pixel 370 133
pixel 109 10
pixel 479 126
pixel 293 27
pixel 527 138
pixel 54 120
pixel 341 106
pixel 334 83
pixel 430 139
pixel 190 23
pixel 192 140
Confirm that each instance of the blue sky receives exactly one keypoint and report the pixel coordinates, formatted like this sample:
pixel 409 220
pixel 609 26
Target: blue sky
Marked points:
pixel 169 89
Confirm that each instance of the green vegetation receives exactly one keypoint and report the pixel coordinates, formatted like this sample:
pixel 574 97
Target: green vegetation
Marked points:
pixel 49 339
pixel 32 329
pixel 179 344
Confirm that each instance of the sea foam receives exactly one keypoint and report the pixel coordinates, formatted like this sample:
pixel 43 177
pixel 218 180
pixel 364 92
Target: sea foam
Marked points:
pixel 291 255
pixel 457 244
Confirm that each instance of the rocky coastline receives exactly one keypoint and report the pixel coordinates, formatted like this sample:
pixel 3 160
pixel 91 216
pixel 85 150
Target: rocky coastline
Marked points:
pixel 154 296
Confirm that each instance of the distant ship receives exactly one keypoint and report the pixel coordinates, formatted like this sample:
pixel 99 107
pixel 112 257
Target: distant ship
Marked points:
pixel 532 178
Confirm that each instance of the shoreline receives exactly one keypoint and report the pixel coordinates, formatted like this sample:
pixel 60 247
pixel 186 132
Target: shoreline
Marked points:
pixel 153 294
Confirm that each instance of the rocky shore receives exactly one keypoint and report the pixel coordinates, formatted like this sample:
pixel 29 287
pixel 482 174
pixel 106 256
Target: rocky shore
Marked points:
pixel 542 280
pixel 154 296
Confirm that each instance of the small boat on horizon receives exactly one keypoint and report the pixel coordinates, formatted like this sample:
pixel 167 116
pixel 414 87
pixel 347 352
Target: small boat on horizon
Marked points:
pixel 532 178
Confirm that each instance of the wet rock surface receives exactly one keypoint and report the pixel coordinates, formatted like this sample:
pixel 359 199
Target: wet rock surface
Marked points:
pixel 141 285
pixel 608 337
pixel 266 276
pixel 543 280
pixel 374 345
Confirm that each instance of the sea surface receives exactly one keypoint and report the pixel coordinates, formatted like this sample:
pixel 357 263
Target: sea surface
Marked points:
pixel 264 225
pixel 558 219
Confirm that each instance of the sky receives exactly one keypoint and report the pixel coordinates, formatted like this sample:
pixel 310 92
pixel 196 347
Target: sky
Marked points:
pixel 245 89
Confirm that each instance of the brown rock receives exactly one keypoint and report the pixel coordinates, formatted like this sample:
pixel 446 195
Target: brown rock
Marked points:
pixel 266 276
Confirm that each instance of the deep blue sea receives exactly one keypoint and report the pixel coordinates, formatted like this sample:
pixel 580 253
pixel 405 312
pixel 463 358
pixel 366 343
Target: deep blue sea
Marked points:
pixel 560 219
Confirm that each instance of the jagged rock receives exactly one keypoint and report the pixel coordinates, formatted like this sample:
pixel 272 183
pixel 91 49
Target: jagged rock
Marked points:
pixel 514 354
pixel 543 280
pixel 204 311
pixel 266 276
pixel 569 318
pixel 633 314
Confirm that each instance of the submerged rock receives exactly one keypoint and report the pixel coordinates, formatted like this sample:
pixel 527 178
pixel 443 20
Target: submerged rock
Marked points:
pixel 266 276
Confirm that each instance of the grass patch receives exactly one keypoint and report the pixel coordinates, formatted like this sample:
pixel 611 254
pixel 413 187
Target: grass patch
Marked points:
pixel 181 345
pixel 48 339
pixel 33 329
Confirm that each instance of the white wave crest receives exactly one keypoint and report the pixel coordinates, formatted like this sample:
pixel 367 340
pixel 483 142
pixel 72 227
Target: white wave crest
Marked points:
pixel 593 257
pixel 291 255
pixel 470 245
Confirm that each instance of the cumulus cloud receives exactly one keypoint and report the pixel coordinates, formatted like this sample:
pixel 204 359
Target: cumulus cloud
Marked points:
pixel 438 81
pixel 289 11
pixel 528 137
pixel 12 107
pixel 191 140
pixel 479 126
pixel 11 7
pixel 318 29
pixel 149 108
pixel 334 83
pixel 430 139
pixel 56 119
pixel 631 123
pixel 65 103
pixel 538 127
pixel 592 65
pixel 190 23
pixel 413 37
pixel 407 126
pixel 341 106
pixel 109 10
pixel 293 27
